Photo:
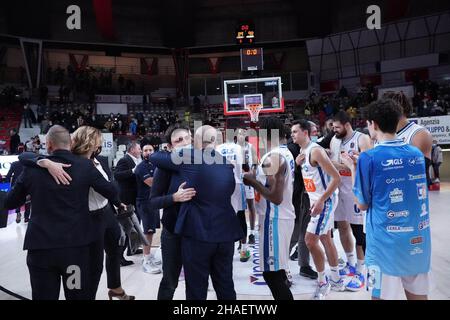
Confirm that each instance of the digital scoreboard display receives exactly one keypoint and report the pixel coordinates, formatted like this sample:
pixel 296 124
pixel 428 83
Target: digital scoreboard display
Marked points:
pixel 252 59
pixel 245 33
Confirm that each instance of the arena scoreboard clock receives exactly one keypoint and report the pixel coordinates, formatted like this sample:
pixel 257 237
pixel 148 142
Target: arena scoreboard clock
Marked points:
pixel 252 59
pixel 245 33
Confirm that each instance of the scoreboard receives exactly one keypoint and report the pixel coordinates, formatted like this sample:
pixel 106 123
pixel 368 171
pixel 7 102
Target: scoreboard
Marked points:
pixel 245 33
pixel 252 59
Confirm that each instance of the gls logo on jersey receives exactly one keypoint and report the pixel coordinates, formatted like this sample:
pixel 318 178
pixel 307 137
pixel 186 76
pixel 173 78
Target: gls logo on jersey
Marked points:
pixel 392 162
pixel 399 214
pixel 422 191
pixel 416 240
pixel 396 195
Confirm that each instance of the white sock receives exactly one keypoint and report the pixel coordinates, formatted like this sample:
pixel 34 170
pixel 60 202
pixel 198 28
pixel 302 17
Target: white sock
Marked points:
pixel 360 266
pixel 335 273
pixel 351 258
pixel 321 277
pixel 244 247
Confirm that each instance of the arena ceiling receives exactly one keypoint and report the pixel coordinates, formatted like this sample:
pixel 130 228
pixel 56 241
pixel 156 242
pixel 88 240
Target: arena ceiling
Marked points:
pixel 196 23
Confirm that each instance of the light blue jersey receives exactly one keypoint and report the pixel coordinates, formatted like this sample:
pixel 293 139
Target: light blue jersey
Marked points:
pixel 391 180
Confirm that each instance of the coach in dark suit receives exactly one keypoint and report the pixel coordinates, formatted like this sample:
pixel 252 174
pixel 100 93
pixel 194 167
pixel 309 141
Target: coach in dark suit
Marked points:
pixel 126 179
pixel 59 236
pixel 207 224
pixel 13 174
pixel 124 174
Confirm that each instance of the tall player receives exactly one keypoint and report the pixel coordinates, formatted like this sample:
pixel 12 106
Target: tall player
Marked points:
pixel 233 153
pixel 250 162
pixel 347 215
pixel 321 182
pixel 275 182
pixel 410 132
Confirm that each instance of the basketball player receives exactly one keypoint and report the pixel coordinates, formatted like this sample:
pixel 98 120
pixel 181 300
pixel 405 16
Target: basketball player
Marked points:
pixel 347 215
pixel 410 132
pixel 233 153
pixel 274 180
pixel 390 183
pixel 250 162
pixel 321 182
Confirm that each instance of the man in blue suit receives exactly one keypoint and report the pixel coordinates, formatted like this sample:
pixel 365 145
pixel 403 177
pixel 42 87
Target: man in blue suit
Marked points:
pixel 207 224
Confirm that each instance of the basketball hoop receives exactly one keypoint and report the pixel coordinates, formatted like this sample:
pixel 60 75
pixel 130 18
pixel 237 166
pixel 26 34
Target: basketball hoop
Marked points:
pixel 254 110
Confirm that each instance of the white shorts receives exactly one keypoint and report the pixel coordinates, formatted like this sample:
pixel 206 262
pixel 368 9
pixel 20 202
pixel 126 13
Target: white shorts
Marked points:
pixel 322 223
pixel 274 240
pixel 238 198
pixel 249 192
pixel 347 210
pixel 386 287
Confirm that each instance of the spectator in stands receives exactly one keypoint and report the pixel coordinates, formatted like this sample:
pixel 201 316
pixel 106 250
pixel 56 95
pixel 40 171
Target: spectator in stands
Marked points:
pixel 133 127
pixel 14 141
pixel 436 160
pixel 27 116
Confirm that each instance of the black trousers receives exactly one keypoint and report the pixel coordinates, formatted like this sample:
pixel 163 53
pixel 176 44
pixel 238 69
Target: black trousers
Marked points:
pixel 51 266
pixel 202 259
pixel 108 243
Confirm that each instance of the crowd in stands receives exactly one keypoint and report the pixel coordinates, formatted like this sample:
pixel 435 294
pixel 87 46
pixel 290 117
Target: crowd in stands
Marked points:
pixel 89 81
pixel 431 99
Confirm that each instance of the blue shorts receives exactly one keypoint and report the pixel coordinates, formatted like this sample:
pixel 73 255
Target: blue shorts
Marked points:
pixel 150 217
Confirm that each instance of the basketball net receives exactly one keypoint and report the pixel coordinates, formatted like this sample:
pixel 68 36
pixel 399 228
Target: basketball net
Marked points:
pixel 254 111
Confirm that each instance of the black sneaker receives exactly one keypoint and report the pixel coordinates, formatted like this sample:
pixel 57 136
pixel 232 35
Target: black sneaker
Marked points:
pixel 308 272
pixel 294 256
pixel 251 239
pixel 125 263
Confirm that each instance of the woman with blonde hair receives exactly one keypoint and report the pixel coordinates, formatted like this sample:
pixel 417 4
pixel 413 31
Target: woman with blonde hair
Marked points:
pixel 87 143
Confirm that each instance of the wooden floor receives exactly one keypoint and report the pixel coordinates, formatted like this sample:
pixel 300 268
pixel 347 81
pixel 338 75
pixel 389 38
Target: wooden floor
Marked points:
pixel 14 273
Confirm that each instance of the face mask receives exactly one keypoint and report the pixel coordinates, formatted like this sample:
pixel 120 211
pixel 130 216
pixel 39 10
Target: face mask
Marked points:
pixel 314 138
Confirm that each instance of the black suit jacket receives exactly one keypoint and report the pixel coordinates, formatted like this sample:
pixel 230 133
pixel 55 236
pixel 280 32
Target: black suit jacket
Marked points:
pixel 61 216
pixel 300 198
pixel 126 180
pixel 14 172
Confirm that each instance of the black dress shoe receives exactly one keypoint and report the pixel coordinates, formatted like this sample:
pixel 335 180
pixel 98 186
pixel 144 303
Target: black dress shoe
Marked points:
pixel 125 263
pixel 308 272
pixel 138 251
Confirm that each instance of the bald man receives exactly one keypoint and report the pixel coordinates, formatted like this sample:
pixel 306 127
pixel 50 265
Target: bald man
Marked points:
pixel 207 224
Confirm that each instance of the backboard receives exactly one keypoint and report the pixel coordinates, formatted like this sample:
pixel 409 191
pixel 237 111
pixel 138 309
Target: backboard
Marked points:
pixel 242 93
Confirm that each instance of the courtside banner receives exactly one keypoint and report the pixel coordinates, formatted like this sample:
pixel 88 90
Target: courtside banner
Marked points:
pixel 5 163
pixel 439 127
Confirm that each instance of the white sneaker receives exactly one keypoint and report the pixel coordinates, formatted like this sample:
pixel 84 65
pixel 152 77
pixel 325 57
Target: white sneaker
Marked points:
pixel 337 286
pixel 149 267
pixel 322 290
pixel 156 260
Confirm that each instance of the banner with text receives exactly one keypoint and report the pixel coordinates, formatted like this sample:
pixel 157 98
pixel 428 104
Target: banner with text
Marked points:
pixel 439 127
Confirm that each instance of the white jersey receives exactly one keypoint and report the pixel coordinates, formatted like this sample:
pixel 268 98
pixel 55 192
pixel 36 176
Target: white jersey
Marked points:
pixel 284 211
pixel 408 132
pixel 316 181
pixel 233 153
pixel 347 210
pixel 339 146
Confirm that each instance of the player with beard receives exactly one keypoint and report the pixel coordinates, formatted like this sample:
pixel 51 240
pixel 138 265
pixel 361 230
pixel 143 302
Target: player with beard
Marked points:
pixel 347 215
